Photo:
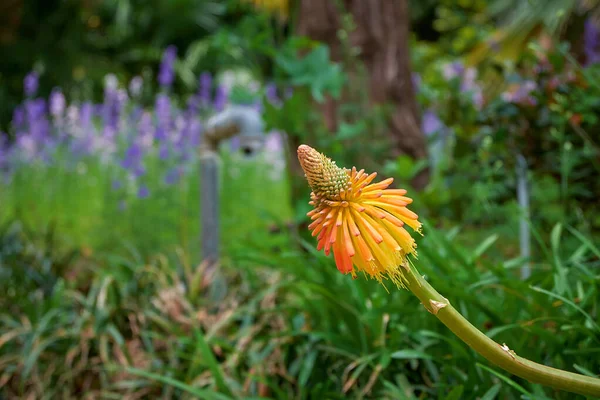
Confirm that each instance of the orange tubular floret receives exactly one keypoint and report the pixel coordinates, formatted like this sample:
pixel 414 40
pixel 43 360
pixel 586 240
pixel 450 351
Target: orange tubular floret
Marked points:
pixel 364 225
pixel 395 192
pixel 379 186
pixel 352 225
pixel 375 212
pixel 347 239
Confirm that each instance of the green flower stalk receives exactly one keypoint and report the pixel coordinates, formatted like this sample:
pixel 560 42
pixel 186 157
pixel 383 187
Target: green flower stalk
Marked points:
pixel 363 224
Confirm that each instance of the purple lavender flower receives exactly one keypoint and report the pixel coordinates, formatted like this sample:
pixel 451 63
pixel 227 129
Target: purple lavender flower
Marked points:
pixel 133 157
pixel 111 83
pixel 193 104
pixel 173 175
pixel 37 123
pixel 221 97
pixel 138 171
pixel 494 45
pixel 57 103
pixel 431 124
pixel 27 146
pixel 521 94
pixel 416 80
pixel 143 192
pixel 18 117
pixel 274 143
pixel 72 115
pixel 136 85
pixel 116 185
pixel 274 155
pixel 591 39
pixel 470 86
pixel 452 70
pixel 234 143
pixel 258 106
pixel 3 151
pixel 478 98
pixel 145 130
pixel 271 95
pixel 205 88
pixel 85 114
pixel 162 107
pixel 121 99
pixel 194 133
pixel 468 81
pixel 166 73
pixel 31 84
pixel 34 109
pixel 163 151
pixel 113 103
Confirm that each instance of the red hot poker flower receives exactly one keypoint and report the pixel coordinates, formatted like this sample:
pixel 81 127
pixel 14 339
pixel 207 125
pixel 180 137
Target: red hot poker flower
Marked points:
pixel 360 221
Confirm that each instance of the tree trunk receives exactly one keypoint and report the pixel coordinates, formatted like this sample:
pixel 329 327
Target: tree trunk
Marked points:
pixel 382 35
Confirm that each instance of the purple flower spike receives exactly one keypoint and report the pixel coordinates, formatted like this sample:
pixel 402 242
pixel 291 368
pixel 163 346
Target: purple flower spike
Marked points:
pixel 591 39
pixel 18 117
pixel 221 97
pixel 289 92
pixel 163 110
pixel 522 94
pixel 139 171
pixel 416 81
pixel 431 124
pixel 143 192
pixel 205 88
pixel 271 94
pixel 453 70
pixel 163 151
pixel 85 114
pixel 166 73
pixel 57 103
pixel 258 106
pixel 173 176
pixel 274 143
pixel 136 85
pixel 146 130
pixel 31 84
pixel 133 157
pixel 3 150
pixel 234 143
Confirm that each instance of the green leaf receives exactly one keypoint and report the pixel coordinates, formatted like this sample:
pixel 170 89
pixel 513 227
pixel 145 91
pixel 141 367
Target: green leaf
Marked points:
pixel 492 392
pixel 456 393
pixel 307 367
pixel 584 371
pixel 482 248
pixel 213 365
pixel 509 381
pixel 200 393
pixel 569 302
pixel 555 237
pixel 410 355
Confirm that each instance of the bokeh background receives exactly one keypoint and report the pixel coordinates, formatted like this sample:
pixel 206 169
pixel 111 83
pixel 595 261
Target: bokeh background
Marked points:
pixel 486 111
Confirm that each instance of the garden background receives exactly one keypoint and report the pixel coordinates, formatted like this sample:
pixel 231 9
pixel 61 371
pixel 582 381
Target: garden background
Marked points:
pixel 486 111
